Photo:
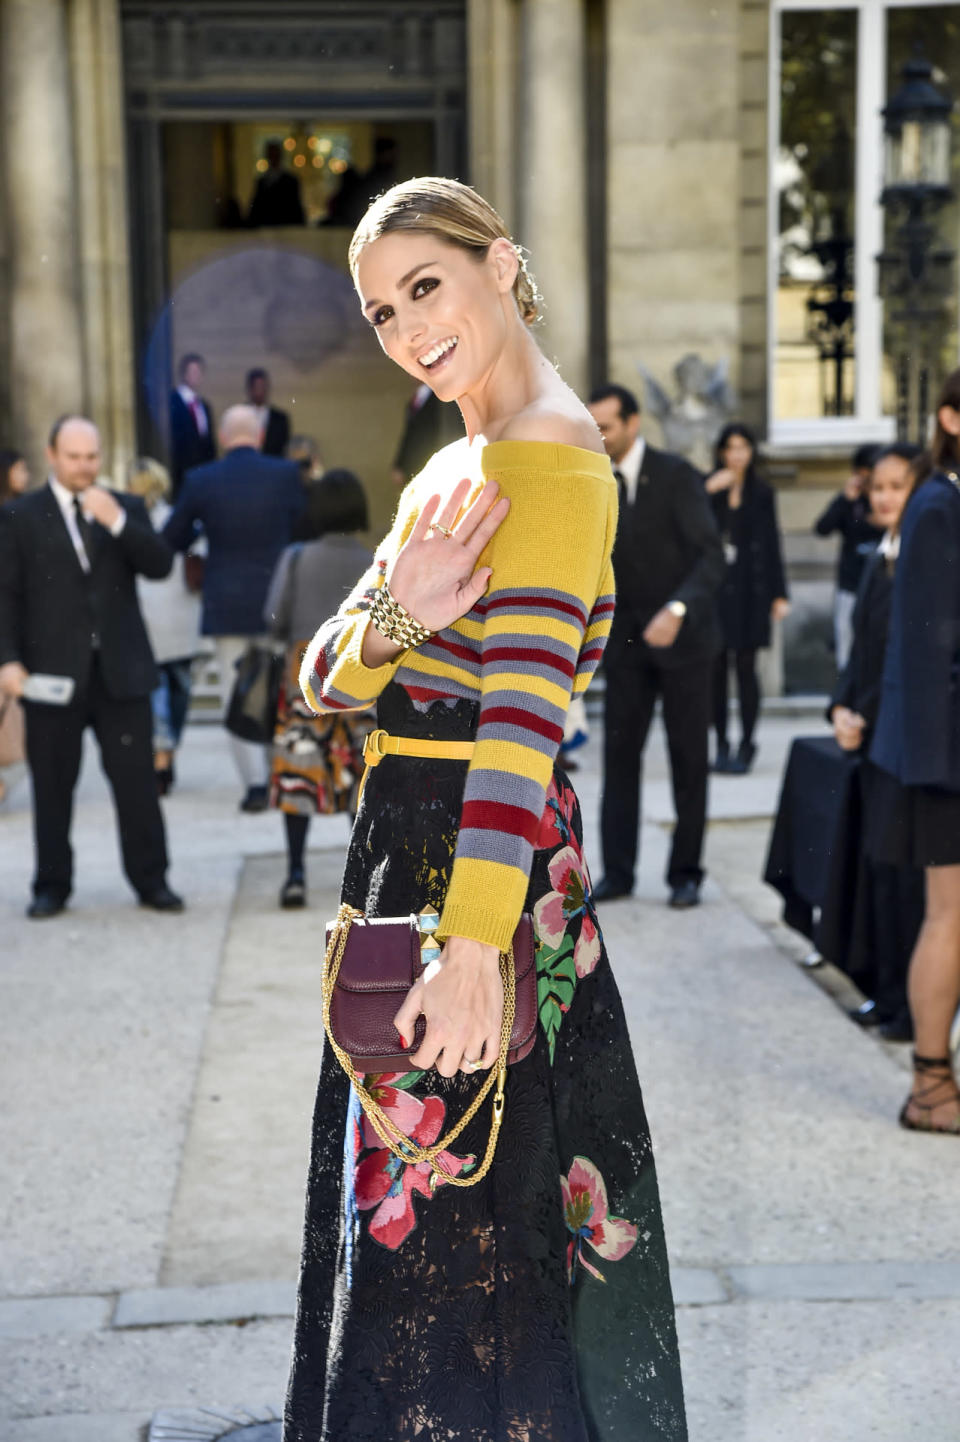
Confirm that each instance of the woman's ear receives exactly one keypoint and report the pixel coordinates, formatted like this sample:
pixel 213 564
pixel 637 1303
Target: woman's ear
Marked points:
pixel 949 419
pixel 503 256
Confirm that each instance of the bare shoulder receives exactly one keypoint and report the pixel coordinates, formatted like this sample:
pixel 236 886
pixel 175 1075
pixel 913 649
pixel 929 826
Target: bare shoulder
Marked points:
pixel 555 425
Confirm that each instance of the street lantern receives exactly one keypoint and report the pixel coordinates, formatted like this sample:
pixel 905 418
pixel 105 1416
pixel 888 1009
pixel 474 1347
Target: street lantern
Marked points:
pixel 916 120
pixel 916 266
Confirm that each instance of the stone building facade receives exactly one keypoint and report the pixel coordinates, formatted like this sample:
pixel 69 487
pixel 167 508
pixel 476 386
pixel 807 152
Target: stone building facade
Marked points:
pixel 634 146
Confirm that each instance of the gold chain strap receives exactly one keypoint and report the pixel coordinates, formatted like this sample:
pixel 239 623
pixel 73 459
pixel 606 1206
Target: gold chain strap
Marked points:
pixel 403 1147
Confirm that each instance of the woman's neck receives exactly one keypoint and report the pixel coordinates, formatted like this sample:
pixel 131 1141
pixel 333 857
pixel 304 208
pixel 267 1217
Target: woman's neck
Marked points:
pixel 518 377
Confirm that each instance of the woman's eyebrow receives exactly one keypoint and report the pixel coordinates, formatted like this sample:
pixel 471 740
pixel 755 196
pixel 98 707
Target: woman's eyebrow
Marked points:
pixel 403 280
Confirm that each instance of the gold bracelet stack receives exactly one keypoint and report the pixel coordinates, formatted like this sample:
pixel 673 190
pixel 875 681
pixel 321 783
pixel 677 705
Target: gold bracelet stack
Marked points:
pixel 395 623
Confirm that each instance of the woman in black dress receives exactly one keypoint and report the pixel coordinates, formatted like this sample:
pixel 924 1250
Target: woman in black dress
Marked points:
pixel 535 1305
pixel 895 905
pixel 917 746
pixel 754 588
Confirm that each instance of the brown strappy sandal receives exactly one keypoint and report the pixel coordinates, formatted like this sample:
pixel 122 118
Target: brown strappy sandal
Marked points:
pixel 926 1100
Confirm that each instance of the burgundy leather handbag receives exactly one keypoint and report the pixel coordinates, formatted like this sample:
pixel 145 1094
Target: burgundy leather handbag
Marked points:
pixel 369 966
pixel 382 958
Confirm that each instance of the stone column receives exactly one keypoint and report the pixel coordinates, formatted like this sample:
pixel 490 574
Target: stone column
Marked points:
pixel 551 148
pixel 103 231
pixel 493 37
pixel 46 356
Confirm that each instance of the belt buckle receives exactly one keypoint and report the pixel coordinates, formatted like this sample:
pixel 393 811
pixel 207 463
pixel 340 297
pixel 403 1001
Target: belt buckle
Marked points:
pixel 373 752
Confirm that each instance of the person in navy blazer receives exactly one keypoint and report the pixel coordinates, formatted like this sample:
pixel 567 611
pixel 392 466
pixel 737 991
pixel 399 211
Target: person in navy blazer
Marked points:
pixel 917 743
pixel 246 505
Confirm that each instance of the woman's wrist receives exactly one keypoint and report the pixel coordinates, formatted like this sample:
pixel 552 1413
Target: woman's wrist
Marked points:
pixel 395 623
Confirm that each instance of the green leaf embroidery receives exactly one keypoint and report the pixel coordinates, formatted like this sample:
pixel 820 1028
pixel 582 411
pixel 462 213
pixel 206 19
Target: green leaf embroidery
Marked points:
pixel 556 983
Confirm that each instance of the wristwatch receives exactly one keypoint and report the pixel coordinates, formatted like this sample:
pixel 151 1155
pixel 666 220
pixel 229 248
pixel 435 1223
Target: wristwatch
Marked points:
pixel 677 608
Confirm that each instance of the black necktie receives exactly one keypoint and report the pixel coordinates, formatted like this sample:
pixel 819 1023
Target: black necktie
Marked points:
pixel 621 486
pixel 83 526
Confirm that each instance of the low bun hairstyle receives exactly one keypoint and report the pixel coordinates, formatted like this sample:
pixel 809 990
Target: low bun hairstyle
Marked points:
pixel 451 211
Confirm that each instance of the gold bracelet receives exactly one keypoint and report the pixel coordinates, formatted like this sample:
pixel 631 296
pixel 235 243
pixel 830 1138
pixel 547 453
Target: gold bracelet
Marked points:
pixel 395 623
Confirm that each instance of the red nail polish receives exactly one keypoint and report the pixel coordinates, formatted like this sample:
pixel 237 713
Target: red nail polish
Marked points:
pixel 403 1040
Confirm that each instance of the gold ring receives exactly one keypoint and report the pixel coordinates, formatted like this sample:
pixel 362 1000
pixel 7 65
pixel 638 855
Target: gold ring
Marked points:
pixel 473 1065
pixel 445 532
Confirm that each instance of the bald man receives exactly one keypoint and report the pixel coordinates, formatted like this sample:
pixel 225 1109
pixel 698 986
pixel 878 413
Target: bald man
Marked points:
pixel 246 504
pixel 70 553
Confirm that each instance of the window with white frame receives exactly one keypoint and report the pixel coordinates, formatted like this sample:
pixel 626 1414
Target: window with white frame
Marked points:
pixel 833 349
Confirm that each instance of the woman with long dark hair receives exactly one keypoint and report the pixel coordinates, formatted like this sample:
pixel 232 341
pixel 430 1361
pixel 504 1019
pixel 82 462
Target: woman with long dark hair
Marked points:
pixel 917 747
pixel 895 892
pixel 14 474
pixel 754 588
pixel 533 1303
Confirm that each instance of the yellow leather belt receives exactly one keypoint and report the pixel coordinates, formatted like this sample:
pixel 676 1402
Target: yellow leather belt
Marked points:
pixel 380 743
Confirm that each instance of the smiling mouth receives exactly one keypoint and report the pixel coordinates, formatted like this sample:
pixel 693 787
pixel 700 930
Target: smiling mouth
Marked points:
pixel 439 354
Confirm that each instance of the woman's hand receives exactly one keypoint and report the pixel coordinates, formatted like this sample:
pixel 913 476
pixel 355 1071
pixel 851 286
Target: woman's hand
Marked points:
pixel 721 480
pixel 435 576
pixel 780 608
pixel 848 727
pixel 461 996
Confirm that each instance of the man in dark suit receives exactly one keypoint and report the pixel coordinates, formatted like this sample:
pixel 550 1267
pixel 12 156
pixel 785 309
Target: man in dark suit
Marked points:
pixel 429 424
pixel 70 553
pixel 274 424
pixel 668 564
pixel 246 504
pixel 192 436
pixel 276 200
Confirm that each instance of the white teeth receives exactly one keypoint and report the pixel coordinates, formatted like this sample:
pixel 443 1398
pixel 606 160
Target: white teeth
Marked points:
pixel 440 349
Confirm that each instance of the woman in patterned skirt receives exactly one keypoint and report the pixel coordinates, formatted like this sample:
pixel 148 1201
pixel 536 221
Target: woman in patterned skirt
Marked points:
pixel 534 1306
pixel 317 760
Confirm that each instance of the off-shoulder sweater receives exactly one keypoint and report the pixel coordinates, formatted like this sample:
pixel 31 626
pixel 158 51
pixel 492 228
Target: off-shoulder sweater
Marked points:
pixel 531 642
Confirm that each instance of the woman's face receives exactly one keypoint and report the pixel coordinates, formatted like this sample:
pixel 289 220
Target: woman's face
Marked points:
pixel 18 477
pixel 438 311
pixel 890 487
pixel 737 454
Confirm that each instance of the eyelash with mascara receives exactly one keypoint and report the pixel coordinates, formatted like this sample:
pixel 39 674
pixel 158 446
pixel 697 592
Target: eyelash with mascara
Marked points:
pixel 426 280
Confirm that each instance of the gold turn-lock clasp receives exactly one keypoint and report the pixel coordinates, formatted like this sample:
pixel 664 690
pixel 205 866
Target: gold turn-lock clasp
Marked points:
pixel 373 752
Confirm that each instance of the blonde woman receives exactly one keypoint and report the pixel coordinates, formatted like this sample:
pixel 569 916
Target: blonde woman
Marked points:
pixel 534 1306
pixel 172 616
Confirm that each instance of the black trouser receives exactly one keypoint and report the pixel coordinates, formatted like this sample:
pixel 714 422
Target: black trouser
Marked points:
pixel 633 684
pixel 748 690
pixel 124 731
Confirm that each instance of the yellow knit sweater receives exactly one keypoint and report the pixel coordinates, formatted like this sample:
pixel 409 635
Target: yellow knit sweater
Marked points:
pixel 534 639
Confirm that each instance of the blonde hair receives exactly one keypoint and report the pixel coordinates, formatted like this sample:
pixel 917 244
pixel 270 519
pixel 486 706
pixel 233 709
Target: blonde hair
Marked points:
pixel 148 479
pixel 451 211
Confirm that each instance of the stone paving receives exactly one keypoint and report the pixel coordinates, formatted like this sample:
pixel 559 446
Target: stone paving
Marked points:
pixel 159 1073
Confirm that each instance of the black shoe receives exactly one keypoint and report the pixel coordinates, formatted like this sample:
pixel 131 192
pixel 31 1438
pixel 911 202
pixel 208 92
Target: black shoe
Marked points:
pixel 256 799
pixel 685 895
pixel 46 904
pixel 741 763
pixel 866 1015
pixel 607 890
pixel 898 1028
pixel 293 893
pixel 721 762
pixel 162 899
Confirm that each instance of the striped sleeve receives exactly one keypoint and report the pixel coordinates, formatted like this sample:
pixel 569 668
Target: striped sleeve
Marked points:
pixel 550 603
pixel 332 675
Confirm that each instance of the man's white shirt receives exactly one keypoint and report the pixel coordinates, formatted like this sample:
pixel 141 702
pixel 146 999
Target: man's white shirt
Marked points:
pixel 65 500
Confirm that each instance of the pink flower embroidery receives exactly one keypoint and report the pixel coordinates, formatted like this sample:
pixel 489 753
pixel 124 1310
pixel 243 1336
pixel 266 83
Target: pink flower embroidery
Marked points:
pixel 381 1180
pixel 585 1213
pixel 570 898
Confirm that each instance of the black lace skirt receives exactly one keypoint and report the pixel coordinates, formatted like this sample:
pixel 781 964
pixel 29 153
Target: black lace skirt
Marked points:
pixel 536 1306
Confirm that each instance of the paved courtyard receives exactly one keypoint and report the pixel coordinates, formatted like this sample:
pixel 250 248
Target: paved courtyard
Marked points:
pixel 158 1077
